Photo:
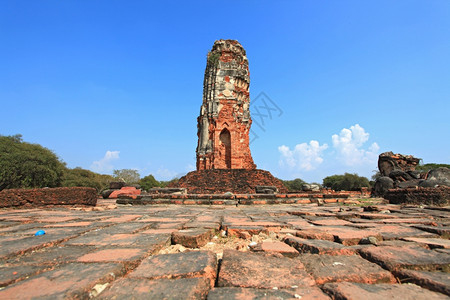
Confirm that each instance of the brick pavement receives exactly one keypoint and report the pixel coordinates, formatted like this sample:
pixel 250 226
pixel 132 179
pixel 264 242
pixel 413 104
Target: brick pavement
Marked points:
pixel 298 251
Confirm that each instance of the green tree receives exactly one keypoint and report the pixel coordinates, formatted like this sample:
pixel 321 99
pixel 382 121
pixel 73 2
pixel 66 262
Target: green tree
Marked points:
pixel 130 176
pixel 346 182
pixel 149 182
pixel 431 166
pixel 82 177
pixel 294 185
pixel 25 165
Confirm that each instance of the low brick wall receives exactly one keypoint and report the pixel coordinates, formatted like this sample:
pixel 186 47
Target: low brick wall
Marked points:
pixel 430 196
pixel 48 196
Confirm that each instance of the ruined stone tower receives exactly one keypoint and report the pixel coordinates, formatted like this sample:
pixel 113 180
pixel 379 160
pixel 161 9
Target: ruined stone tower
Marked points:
pixel 224 121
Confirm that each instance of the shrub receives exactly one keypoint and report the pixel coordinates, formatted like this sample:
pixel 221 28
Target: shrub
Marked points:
pixel 25 165
pixel 149 182
pixel 346 182
pixel 86 178
pixel 294 185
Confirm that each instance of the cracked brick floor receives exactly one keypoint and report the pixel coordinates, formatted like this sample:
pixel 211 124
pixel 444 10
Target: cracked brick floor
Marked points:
pixel 225 252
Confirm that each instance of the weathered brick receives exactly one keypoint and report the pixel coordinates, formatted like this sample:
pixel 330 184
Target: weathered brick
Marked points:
pixel 330 222
pixel 178 265
pixel 350 290
pixel 228 293
pixel 74 280
pixel 276 247
pixel 435 281
pixel 416 258
pixel 258 270
pixel 136 288
pixel 114 255
pixel 10 274
pixel 192 238
pixel 318 246
pixel 327 268
pixel 431 242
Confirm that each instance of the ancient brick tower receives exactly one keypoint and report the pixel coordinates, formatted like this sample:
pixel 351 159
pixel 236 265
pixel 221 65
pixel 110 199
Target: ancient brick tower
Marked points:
pixel 224 121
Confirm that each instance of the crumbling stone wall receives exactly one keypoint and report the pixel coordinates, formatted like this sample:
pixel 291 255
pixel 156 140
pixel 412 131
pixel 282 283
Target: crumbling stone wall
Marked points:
pixel 439 196
pixel 48 196
pixel 224 121
pixel 238 181
pixel 388 162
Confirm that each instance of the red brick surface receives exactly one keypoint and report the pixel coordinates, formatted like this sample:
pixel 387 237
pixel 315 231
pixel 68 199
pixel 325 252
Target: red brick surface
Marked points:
pixel 305 293
pixel 192 238
pixel 179 265
pixel 277 248
pixel 351 268
pixel 347 290
pixel 258 270
pixel 128 251
pixel 135 288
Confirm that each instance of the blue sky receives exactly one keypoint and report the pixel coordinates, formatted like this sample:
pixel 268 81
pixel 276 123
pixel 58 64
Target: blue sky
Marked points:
pixel 118 84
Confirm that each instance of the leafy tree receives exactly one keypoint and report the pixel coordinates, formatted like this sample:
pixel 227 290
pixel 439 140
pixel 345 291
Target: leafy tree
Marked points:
pixel 82 177
pixel 167 183
pixel 346 182
pixel 25 165
pixel 294 185
pixel 130 176
pixel 429 167
pixel 149 182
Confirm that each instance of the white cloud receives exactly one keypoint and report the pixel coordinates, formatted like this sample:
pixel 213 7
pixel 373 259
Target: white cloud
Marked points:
pixel 349 146
pixel 104 165
pixel 350 152
pixel 304 156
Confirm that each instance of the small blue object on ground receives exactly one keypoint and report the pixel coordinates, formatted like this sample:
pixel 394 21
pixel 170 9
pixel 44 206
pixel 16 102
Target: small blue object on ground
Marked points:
pixel 39 232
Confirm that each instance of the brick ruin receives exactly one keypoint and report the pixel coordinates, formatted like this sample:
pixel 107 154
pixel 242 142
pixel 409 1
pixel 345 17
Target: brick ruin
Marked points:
pixel 224 121
pixel 222 181
pixel 400 183
pixel 388 162
pixel 48 196
pixel 224 162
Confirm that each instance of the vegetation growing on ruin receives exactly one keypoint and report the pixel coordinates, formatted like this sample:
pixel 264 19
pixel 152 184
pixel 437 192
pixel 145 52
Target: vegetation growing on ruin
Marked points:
pixel 214 58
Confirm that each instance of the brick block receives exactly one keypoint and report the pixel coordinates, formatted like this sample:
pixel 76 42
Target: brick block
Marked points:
pixel 258 270
pixel 348 290
pixel 178 265
pixel 74 280
pixel 415 258
pixel 327 268
pixel 305 293
pixel 318 246
pixel 192 238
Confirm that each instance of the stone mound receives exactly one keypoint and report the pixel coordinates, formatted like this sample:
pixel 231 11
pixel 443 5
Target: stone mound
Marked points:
pixel 237 181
